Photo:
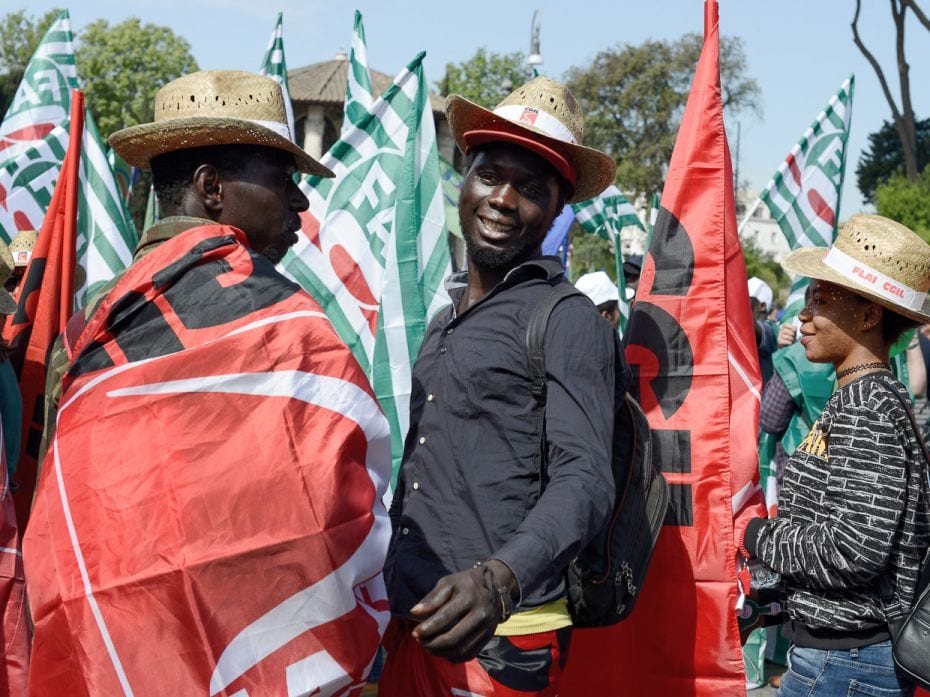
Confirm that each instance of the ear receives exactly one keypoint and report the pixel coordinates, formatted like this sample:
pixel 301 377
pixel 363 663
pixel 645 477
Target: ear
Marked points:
pixel 209 188
pixel 871 316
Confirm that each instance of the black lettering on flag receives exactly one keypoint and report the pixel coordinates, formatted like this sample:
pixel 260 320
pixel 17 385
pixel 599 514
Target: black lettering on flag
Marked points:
pixel 656 330
pixel 673 254
pixel 671 451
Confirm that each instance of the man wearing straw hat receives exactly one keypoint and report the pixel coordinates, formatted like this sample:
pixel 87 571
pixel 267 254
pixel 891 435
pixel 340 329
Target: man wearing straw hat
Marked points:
pixel 209 517
pixel 482 528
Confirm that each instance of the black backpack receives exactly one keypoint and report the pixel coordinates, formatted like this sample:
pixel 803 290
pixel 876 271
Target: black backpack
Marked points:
pixel 605 579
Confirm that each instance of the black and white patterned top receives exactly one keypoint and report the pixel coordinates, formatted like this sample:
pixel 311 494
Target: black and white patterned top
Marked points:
pixel 854 508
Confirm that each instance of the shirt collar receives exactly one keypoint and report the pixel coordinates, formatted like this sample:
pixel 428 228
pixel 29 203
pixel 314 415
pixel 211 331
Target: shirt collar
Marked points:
pixel 164 230
pixel 545 267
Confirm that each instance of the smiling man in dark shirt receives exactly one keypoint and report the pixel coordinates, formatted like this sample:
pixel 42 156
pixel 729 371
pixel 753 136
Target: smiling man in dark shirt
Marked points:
pixel 480 531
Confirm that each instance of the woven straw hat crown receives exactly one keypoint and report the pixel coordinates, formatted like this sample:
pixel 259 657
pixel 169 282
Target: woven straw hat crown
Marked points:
pixel 222 93
pixel 214 107
pixel 552 97
pixel 875 257
pixel 544 116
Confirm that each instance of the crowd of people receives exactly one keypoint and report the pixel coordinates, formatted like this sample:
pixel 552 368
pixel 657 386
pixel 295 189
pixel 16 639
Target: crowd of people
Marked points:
pixel 492 500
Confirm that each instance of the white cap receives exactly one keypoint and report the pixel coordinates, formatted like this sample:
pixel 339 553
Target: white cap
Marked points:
pixel 760 290
pixel 598 287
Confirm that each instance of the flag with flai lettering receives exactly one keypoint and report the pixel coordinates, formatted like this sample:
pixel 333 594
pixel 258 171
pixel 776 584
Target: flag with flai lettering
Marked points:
pixel 34 136
pixel 209 519
pixel 804 194
pixel 373 249
pixel 45 302
pixel 691 344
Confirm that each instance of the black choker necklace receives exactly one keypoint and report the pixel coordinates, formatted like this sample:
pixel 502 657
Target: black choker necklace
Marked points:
pixel 859 368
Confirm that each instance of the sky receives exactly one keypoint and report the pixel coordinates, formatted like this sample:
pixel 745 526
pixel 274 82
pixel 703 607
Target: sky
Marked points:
pixel 799 51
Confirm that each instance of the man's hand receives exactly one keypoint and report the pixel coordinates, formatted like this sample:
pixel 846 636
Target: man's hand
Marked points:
pixel 458 617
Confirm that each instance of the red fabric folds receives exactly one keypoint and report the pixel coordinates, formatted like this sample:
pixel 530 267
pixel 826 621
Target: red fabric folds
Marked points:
pixel 45 303
pixel 691 340
pixel 209 516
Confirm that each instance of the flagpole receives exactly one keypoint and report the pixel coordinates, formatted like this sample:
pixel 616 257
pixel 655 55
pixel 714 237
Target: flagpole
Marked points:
pixel 739 230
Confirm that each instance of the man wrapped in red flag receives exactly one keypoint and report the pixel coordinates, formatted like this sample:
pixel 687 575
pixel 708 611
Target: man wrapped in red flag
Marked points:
pixel 209 518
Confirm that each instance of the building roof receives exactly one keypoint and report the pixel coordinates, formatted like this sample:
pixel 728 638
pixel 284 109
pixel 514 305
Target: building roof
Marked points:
pixel 325 83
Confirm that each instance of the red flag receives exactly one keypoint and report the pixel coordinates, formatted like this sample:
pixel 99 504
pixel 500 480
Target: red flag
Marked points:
pixel 691 341
pixel 45 303
pixel 208 520
pixel 14 669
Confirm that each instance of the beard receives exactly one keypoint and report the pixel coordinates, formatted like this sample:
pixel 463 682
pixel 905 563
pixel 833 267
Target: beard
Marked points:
pixel 497 259
pixel 276 250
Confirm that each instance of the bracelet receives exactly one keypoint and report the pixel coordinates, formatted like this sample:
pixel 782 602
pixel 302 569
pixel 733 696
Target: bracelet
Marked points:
pixel 503 595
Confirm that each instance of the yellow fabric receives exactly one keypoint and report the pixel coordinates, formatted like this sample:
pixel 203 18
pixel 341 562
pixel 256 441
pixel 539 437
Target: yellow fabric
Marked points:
pixel 545 618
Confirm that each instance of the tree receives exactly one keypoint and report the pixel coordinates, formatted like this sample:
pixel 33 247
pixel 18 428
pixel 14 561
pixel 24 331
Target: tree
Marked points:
pixel 485 78
pixel 20 34
pixel 122 67
pixel 907 201
pixel 633 98
pixel 884 158
pixel 903 117
pixel 590 253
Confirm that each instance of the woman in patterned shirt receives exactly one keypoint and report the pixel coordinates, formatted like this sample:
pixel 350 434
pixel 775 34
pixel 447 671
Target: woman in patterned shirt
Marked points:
pixel 853 523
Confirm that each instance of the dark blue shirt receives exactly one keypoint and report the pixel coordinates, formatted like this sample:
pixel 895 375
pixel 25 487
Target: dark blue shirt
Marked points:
pixel 469 486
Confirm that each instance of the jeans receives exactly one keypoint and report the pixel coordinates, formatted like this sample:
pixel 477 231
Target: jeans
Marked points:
pixel 867 670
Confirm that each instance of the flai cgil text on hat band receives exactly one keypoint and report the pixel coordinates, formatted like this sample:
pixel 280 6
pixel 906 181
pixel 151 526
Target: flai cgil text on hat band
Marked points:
pixel 874 280
pixel 545 122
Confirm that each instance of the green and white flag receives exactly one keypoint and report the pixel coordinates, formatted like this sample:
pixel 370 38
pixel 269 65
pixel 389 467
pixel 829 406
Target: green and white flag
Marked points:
pixel 605 216
pixel 374 250
pixel 804 194
pixel 451 187
pixel 359 92
pixel 33 141
pixel 275 67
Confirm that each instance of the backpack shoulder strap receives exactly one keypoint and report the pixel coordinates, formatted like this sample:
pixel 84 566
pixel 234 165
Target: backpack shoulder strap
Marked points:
pixel 536 337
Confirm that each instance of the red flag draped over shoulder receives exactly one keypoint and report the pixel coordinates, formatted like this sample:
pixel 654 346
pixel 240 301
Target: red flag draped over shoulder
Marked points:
pixel 208 519
pixel 691 342
pixel 45 302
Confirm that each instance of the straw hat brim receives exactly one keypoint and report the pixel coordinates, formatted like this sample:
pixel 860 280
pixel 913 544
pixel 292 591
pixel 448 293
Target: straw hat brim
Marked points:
pixel 809 262
pixel 595 170
pixel 137 145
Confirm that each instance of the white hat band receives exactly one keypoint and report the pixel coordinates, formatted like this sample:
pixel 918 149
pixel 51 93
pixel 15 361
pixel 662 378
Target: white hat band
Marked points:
pixel 280 128
pixel 542 120
pixel 874 280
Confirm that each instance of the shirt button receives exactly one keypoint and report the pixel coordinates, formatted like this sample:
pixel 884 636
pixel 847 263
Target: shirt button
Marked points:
pixel 442 349
pixel 450 330
pixel 422 440
pixel 416 485
pixel 405 531
pixel 429 398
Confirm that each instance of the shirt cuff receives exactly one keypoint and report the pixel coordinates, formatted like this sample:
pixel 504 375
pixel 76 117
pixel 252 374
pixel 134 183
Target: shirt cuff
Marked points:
pixel 750 537
pixel 519 601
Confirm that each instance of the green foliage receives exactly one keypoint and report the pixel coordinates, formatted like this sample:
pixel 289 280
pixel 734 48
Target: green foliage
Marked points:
pixel 633 98
pixel 484 78
pixel 20 34
pixel 762 265
pixel 123 66
pixel 590 253
pixel 907 202
pixel 884 157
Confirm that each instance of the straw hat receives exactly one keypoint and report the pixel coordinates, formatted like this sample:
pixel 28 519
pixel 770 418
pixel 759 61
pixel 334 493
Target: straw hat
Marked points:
pixel 7 304
pixel 875 257
pixel 21 247
pixel 541 116
pixel 214 107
